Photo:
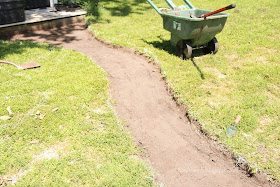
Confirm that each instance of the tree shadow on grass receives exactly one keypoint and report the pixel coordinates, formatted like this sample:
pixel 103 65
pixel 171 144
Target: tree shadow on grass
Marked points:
pixel 19 47
pixel 116 8
pixel 54 35
pixel 124 8
pixel 166 46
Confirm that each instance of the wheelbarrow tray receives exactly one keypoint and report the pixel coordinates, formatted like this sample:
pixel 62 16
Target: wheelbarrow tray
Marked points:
pixel 198 31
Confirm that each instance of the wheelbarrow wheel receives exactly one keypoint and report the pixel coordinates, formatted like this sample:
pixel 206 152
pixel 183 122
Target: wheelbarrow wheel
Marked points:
pixel 212 46
pixel 184 52
pixel 187 52
pixel 179 50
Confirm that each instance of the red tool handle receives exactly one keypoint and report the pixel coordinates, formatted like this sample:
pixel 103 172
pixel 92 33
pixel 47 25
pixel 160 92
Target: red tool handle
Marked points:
pixel 219 10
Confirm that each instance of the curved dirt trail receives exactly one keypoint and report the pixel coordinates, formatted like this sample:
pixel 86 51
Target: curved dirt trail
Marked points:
pixel 177 152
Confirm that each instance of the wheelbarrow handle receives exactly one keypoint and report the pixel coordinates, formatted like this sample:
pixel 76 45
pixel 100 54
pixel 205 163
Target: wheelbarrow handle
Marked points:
pixel 171 4
pixel 154 6
pixel 219 10
pixel 189 4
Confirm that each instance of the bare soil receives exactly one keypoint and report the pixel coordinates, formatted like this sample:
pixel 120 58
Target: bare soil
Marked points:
pixel 175 147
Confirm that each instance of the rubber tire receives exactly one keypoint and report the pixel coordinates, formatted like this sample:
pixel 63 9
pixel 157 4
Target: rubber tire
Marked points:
pixel 187 52
pixel 179 51
pixel 212 46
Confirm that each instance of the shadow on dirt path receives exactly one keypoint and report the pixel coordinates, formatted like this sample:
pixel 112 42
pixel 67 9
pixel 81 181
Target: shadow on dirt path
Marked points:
pixel 180 155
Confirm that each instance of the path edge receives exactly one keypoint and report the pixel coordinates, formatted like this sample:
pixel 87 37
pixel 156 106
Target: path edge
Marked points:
pixel 244 166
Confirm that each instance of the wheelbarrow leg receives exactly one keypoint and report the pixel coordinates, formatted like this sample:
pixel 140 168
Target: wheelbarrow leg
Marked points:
pixel 184 49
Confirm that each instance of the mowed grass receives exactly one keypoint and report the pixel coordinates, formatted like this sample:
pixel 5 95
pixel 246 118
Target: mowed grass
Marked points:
pixel 243 78
pixel 64 131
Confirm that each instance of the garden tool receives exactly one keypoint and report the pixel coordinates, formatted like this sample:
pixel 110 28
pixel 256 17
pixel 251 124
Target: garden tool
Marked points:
pixel 215 11
pixel 232 129
pixel 24 66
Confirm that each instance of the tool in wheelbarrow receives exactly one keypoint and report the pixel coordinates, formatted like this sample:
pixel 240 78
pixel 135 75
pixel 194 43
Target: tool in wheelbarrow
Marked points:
pixel 215 11
pixel 191 33
pixel 24 66
pixel 232 129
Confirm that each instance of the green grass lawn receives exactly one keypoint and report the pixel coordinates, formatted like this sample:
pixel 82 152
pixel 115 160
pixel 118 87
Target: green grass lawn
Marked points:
pixel 64 131
pixel 243 78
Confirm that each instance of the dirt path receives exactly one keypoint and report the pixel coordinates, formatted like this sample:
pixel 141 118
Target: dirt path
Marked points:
pixel 179 154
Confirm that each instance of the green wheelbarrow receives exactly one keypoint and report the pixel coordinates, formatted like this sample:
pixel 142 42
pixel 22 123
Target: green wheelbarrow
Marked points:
pixel 192 28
